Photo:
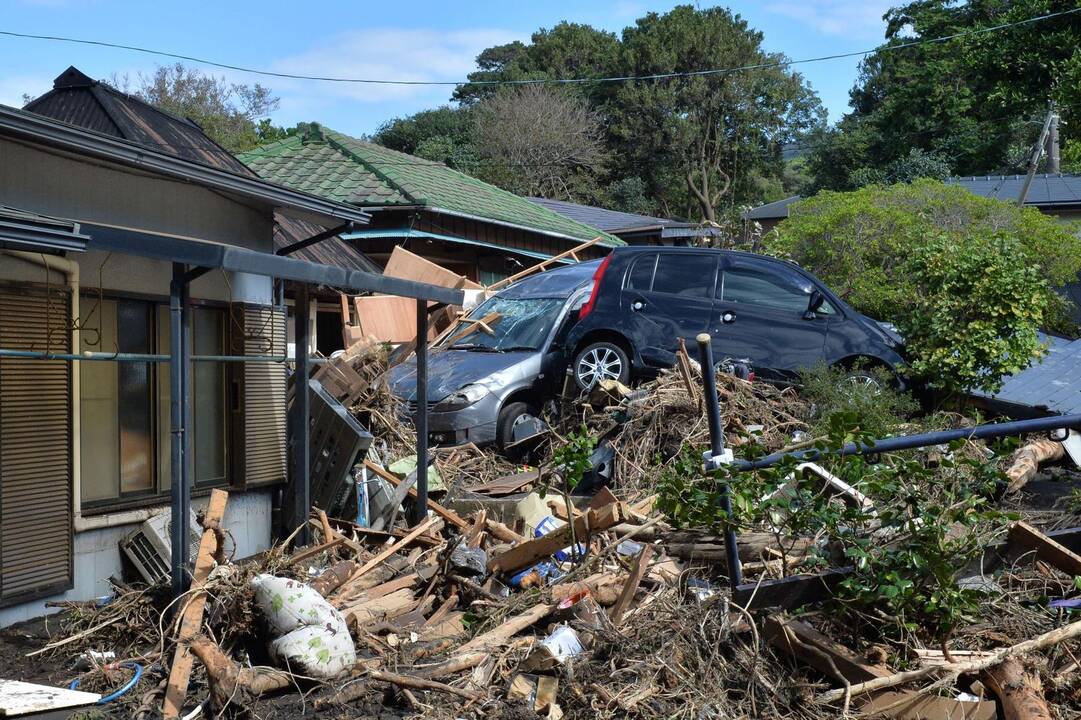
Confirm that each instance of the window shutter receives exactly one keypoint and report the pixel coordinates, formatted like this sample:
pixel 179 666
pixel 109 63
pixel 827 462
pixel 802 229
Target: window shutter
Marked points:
pixel 35 446
pixel 259 403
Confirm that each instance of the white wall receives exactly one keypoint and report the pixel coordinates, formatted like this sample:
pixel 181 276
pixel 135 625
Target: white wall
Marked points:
pixel 97 555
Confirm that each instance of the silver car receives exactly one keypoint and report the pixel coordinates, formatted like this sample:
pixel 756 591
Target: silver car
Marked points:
pixel 489 388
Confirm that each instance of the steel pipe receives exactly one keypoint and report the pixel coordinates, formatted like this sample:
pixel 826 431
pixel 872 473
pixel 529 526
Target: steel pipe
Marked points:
pixel 420 507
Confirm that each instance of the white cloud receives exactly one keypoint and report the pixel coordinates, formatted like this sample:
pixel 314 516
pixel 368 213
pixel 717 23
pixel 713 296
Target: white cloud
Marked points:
pixel 384 53
pixel 862 18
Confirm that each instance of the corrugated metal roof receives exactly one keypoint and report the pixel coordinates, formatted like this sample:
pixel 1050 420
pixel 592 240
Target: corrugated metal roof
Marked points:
pixel 333 251
pixel 611 221
pixel 80 100
pixel 1046 190
pixel 776 210
pixel 1053 383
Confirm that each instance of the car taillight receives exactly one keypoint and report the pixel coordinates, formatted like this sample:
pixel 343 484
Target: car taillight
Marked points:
pixel 597 275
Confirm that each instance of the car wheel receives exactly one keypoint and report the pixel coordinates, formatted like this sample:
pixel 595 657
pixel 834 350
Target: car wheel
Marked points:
pixel 516 416
pixel 862 379
pixel 601 361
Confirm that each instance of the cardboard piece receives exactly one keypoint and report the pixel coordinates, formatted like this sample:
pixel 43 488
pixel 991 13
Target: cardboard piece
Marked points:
pixel 22 698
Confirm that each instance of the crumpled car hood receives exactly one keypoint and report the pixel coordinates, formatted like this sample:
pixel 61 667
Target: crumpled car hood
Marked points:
pixel 450 370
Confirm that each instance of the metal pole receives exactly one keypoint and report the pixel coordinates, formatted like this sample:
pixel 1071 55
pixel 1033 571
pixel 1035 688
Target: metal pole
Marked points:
pixel 1054 154
pixel 718 454
pixel 177 298
pixel 301 415
pixel 148 357
pixel 1035 159
pixel 420 509
pixel 186 464
pixel 910 442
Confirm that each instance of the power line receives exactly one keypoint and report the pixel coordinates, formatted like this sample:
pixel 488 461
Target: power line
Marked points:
pixel 556 81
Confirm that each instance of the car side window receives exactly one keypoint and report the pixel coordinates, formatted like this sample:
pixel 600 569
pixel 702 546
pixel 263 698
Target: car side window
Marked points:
pixel 757 286
pixel 641 275
pixel 686 274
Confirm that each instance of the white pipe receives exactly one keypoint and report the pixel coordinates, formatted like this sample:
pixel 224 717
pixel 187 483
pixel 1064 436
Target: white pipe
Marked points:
pixel 69 268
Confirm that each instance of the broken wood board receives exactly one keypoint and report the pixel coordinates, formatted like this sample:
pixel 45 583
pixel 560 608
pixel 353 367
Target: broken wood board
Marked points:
pixel 631 586
pixel 790 592
pixel 531 551
pixel 811 647
pixel 192 618
pixel 410 266
pixel 1025 538
pixel 429 524
pixel 389 318
pixel 507 484
pixel 22 698
pixel 908 705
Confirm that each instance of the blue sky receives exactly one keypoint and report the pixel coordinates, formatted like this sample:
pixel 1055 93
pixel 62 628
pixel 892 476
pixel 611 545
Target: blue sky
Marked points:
pixel 418 40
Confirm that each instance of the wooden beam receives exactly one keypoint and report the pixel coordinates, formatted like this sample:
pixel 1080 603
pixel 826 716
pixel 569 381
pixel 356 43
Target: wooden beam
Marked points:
pixel 543 265
pixel 631 586
pixel 790 592
pixel 531 551
pixel 820 652
pixel 1026 538
pixel 449 515
pixel 391 549
pixel 192 619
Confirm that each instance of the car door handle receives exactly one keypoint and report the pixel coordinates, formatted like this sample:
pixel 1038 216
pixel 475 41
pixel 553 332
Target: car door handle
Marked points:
pixel 637 305
pixel 728 317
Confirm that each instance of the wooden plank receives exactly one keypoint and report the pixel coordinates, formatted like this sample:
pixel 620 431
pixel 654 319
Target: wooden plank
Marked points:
pixel 389 318
pixel 192 619
pixel 631 586
pixel 823 654
pixel 543 265
pixel 380 609
pixel 790 592
pixel 410 266
pixel 22 698
pixel 910 705
pixel 1026 538
pixel 449 515
pixel 391 549
pixel 601 498
pixel 507 484
pixel 531 551
pixel 305 555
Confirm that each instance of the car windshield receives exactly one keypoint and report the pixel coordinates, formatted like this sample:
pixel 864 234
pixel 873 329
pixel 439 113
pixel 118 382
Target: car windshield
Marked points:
pixel 505 324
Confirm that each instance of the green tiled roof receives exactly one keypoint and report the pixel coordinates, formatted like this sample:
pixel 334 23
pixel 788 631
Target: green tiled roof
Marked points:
pixel 336 166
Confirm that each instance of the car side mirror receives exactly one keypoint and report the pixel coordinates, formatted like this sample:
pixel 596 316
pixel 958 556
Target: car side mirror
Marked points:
pixel 813 304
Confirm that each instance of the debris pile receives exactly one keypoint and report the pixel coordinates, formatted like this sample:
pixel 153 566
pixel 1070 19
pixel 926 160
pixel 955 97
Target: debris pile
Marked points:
pixel 535 603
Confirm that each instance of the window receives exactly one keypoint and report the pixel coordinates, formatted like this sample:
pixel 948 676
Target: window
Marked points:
pixel 125 406
pixel 641 275
pixel 687 274
pixel 777 291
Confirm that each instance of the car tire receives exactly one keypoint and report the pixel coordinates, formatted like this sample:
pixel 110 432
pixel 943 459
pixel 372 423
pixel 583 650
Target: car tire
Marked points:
pixel 509 416
pixel 600 361
pixel 861 378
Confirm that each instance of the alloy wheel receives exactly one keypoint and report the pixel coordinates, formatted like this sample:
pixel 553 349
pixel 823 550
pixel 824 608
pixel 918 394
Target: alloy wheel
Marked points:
pixel 600 363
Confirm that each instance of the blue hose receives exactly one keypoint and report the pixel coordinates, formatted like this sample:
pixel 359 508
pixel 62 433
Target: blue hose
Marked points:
pixel 127 686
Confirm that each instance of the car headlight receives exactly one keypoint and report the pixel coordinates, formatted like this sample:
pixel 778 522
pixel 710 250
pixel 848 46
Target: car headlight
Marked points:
pixel 465 397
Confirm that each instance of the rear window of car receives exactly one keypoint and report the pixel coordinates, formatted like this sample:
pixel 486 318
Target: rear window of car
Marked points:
pixel 687 274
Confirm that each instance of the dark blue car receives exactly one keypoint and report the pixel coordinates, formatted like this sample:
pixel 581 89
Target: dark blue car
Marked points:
pixel 765 312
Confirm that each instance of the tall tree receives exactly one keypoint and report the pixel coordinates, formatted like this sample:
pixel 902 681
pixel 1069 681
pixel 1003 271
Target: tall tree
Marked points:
pixel 700 140
pixel 443 134
pixel 540 141
pixel 974 100
pixel 234 115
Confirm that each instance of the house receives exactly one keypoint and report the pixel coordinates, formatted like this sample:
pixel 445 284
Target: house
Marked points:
pixel 464 225
pixel 632 228
pixel 1056 194
pixel 767 216
pixel 118 259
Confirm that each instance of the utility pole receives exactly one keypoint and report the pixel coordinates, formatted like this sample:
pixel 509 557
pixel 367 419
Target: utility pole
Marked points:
pixel 1053 164
pixel 1037 150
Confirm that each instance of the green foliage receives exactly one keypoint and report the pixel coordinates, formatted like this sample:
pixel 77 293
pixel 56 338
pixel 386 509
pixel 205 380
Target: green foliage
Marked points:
pixel 443 134
pixel 930 521
pixel 571 459
pixel 905 169
pixel 975 317
pixel 906 253
pixel 976 99
pixel 880 408
pixel 234 115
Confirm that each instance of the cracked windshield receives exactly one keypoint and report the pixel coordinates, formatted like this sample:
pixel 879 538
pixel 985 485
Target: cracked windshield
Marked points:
pixel 515 324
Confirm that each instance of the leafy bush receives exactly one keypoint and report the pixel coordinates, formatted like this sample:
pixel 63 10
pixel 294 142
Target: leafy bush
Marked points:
pixel 975 318
pixel 880 408
pixel 908 254
pixel 930 520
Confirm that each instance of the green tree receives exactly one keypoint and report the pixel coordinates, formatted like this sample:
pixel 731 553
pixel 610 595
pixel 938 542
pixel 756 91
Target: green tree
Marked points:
pixel 568 50
pixel 234 115
pixel 704 140
pixel 975 99
pixel 871 246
